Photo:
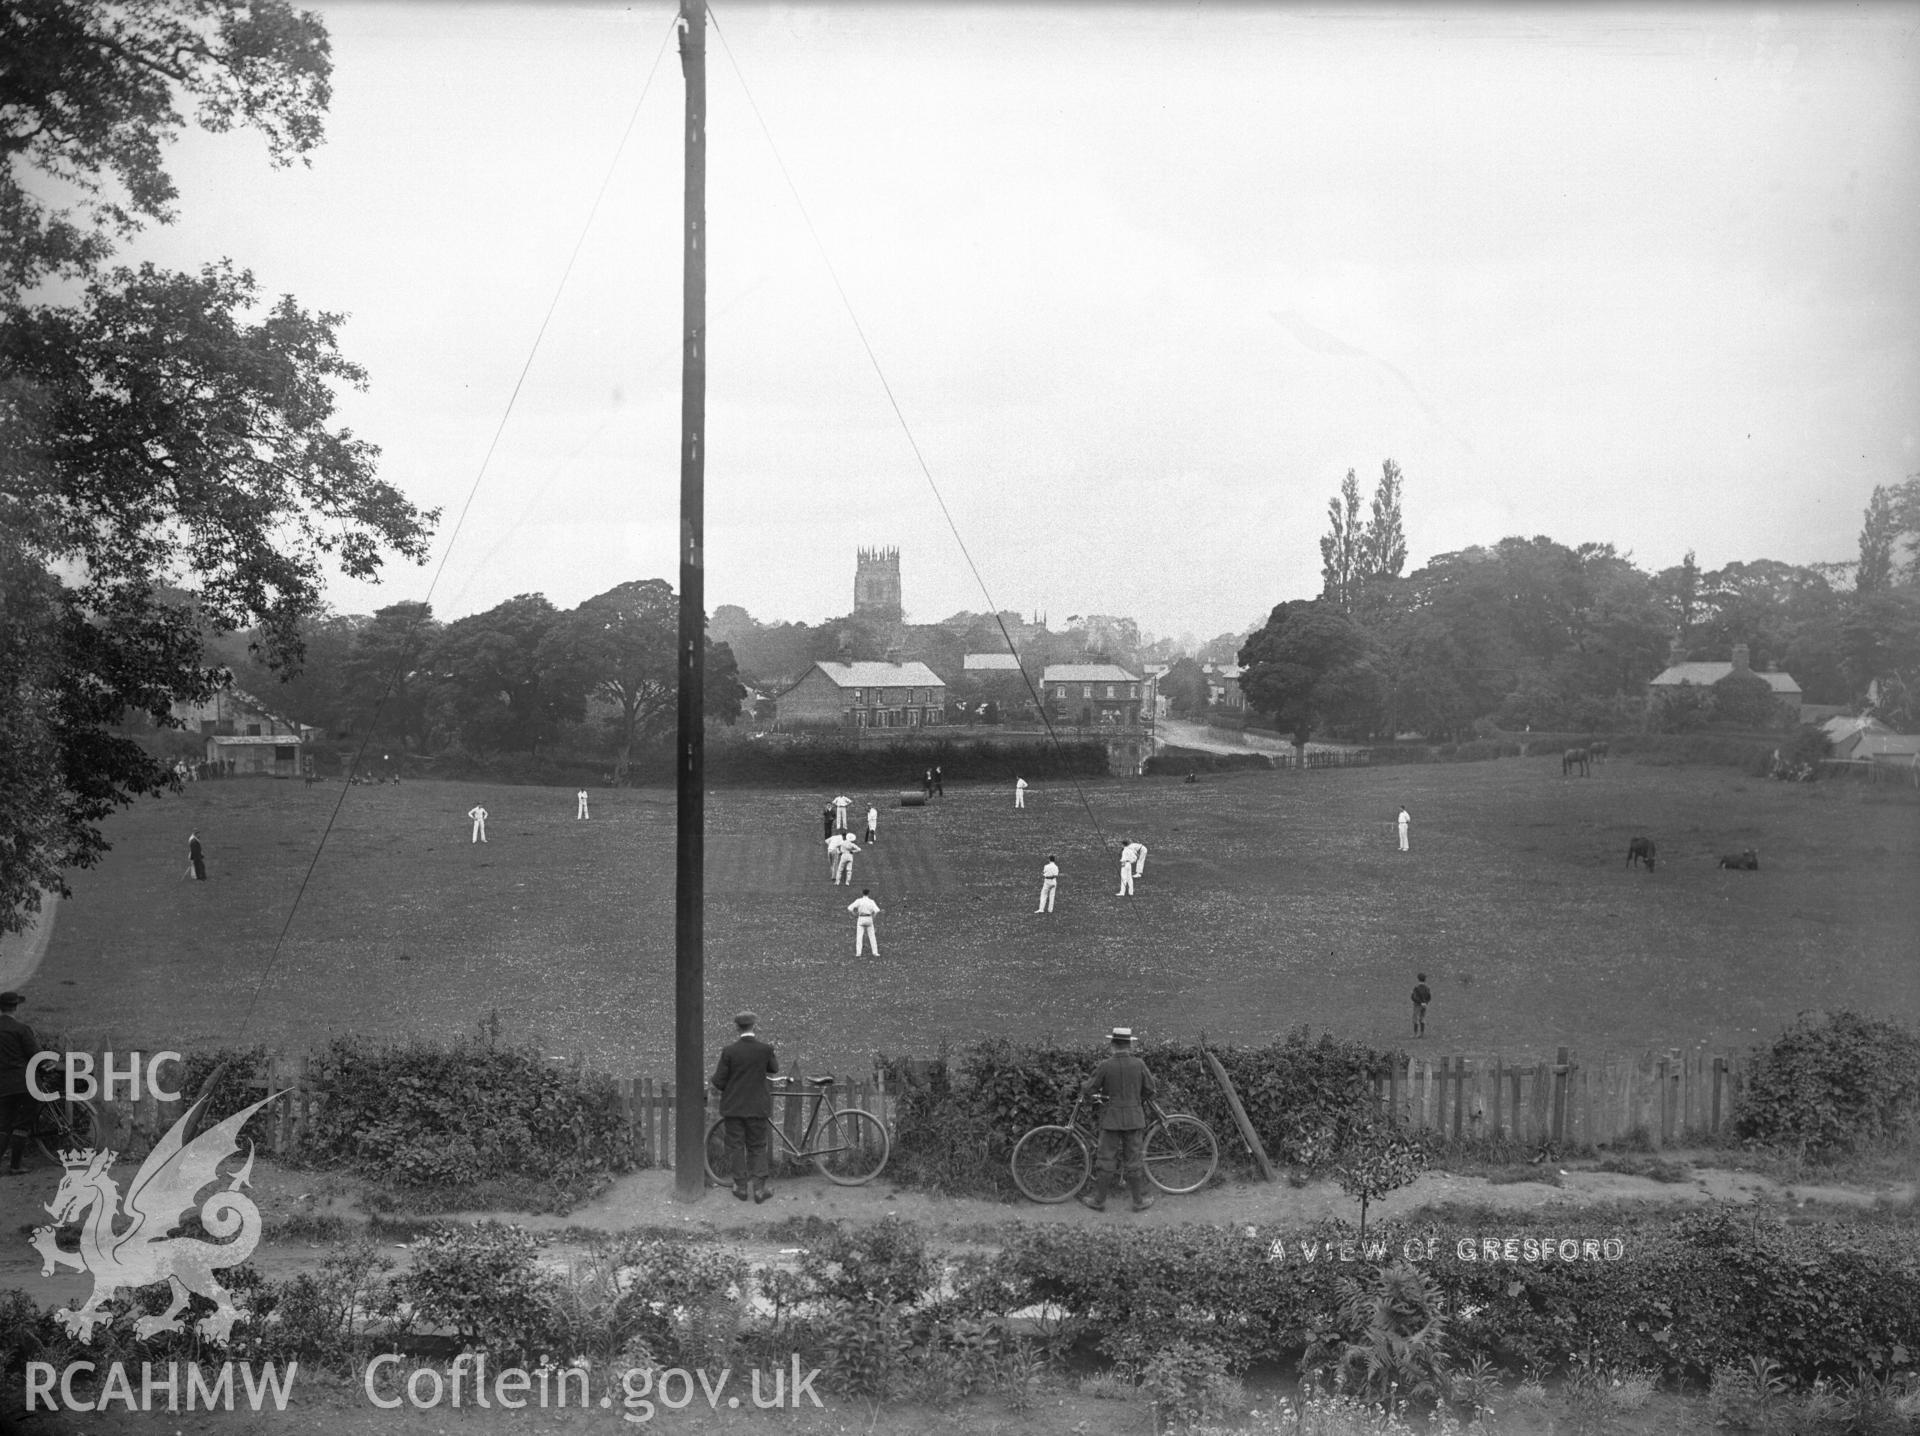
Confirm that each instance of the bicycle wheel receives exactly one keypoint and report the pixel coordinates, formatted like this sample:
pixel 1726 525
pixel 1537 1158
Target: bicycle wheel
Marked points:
pixel 719 1168
pixel 850 1147
pixel 1050 1164
pixel 67 1126
pixel 1182 1154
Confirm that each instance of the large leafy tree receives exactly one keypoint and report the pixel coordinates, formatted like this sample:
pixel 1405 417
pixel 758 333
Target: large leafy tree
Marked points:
pixel 157 430
pixel 388 682
pixel 1306 667
pixel 625 643
pixel 506 679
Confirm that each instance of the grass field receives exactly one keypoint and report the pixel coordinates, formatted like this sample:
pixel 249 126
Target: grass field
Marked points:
pixel 1268 900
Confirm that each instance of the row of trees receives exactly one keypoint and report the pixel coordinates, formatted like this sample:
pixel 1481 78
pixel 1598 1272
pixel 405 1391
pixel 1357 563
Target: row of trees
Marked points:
pixel 776 653
pixel 1530 632
pixel 513 679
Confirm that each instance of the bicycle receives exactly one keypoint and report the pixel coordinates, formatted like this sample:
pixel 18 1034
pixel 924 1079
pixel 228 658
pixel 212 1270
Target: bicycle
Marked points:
pixel 64 1125
pixel 847 1145
pixel 1052 1163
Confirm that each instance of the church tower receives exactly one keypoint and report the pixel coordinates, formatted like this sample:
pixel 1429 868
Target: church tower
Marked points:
pixel 876 587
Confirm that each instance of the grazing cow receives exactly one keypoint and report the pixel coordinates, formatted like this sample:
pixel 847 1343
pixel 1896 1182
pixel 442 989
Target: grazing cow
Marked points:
pixel 1597 751
pixel 1575 758
pixel 1640 850
pixel 1746 860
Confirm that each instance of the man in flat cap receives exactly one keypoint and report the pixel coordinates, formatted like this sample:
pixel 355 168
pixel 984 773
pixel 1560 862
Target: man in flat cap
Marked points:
pixel 746 1105
pixel 1126 1084
pixel 18 1046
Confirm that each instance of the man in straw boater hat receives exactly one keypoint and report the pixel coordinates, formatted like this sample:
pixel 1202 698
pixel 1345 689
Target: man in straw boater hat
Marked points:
pixel 746 1105
pixel 1123 1080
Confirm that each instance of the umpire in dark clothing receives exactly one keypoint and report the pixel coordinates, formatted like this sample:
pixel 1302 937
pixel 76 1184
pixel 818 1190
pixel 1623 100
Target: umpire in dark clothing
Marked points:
pixel 746 1105
pixel 17 1048
pixel 1126 1084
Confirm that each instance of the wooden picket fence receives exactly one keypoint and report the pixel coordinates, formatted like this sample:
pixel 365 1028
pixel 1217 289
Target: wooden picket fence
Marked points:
pixel 648 1106
pixel 1666 1098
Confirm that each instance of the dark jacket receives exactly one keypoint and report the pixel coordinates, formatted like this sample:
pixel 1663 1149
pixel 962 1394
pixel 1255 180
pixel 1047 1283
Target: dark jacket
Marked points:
pixel 1126 1084
pixel 17 1047
pixel 741 1078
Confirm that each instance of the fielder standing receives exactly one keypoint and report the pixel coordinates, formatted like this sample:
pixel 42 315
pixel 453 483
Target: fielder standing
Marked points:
pixel 583 806
pixel 1019 792
pixel 873 825
pixel 864 908
pixel 1049 880
pixel 1404 820
pixel 840 806
pixel 848 847
pixel 479 816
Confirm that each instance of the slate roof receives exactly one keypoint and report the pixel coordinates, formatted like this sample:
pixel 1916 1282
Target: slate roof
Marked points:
pixel 1087 673
pixel 882 675
pixel 1705 675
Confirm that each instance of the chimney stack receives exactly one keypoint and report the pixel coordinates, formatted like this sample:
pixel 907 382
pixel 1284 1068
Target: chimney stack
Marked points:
pixel 1739 658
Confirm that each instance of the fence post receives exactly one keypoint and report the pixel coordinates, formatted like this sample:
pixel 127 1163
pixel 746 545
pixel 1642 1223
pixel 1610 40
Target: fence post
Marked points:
pixel 1558 1117
pixel 666 1125
pixel 1496 1127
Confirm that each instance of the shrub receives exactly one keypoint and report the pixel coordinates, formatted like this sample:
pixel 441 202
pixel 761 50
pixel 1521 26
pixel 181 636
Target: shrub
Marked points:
pixel 484 1283
pixel 433 1116
pixel 886 1262
pixel 1833 1083
pixel 1172 762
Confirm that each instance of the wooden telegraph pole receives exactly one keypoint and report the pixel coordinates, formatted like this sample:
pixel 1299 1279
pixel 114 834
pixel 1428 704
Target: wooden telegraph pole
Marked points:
pixel 689 959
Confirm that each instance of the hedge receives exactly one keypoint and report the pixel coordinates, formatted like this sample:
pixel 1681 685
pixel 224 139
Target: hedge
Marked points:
pixel 1684 1296
pixel 957 1124
pixel 1175 762
pixel 788 762
pixel 437 1117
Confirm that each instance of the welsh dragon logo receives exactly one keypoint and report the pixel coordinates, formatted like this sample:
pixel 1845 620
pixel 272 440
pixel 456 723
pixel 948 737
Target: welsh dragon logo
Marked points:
pixel 126 1244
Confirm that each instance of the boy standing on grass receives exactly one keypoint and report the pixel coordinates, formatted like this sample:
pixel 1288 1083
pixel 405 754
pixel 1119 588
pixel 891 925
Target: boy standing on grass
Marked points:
pixel 1422 995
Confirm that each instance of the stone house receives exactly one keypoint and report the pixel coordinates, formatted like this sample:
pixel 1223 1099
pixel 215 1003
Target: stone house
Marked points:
pixel 864 695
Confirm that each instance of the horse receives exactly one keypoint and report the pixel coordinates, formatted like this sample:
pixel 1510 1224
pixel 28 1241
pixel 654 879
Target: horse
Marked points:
pixel 1598 750
pixel 1576 758
pixel 1640 850
pixel 1747 860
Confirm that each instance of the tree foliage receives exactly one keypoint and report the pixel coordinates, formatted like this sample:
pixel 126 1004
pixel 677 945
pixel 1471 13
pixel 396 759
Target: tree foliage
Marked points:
pixel 1305 667
pixel 167 441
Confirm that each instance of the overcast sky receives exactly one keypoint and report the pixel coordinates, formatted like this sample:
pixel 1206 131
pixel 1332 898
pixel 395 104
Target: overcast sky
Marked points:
pixel 1145 281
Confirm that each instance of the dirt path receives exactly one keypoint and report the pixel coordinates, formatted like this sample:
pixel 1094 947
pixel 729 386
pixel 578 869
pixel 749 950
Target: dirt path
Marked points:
pixel 646 1200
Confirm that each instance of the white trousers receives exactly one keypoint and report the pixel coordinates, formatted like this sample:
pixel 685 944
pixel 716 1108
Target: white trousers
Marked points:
pixel 479 830
pixel 1019 797
pixel 583 810
pixel 863 933
pixel 1047 886
pixel 1403 837
pixel 1126 880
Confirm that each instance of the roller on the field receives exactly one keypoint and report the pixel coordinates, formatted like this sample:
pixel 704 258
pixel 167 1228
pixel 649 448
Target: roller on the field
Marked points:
pixel 912 798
